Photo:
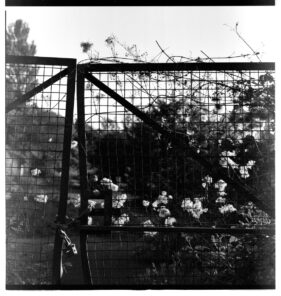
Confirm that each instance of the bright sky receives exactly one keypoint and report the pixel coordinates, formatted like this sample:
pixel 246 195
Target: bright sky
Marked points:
pixel 58 31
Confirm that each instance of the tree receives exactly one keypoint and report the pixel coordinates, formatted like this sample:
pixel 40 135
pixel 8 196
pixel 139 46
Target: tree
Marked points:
pixel 16 40
pixel 19 78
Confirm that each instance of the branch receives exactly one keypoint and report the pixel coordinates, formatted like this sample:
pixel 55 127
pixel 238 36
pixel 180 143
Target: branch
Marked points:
pixel 163 51
pixel 238 34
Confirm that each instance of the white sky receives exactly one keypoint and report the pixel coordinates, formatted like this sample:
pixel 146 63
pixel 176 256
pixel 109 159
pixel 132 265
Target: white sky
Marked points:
pixel 58 31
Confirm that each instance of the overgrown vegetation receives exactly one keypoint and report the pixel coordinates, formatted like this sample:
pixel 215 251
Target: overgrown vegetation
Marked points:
pixel 160 184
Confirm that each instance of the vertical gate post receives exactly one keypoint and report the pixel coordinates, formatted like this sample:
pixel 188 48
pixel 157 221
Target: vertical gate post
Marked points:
pixel 107 207
pixel 84 191
pixel 57 257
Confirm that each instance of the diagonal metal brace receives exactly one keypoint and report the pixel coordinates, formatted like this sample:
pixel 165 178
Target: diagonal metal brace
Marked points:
pixel 24 98
pixel 177 139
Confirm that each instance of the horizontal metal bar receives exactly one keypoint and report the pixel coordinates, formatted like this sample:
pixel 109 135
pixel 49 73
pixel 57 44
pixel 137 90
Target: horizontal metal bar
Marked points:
pixel 29 60
pixel 176 67
pixel 94 229
pixel 140 3
pixel 36 90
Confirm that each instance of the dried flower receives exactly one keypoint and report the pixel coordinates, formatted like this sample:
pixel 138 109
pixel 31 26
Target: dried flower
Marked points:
pixel 86 46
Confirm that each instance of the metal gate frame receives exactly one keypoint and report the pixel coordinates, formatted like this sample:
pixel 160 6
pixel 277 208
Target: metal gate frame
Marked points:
pixel 84 73
pixel 70 72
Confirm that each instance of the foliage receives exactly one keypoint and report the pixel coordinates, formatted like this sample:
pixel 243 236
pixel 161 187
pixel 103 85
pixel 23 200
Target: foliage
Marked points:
pixel 17 40
pixel 21 77
pixel 226 260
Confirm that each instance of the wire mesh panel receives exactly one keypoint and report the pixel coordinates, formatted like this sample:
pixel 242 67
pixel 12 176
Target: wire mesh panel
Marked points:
pixel 38 113
pixel 177 145
pixel 178 258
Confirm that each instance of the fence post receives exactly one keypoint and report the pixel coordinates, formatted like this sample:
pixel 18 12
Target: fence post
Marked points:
pixel 84 190
pixel 107 207
pixel 57 257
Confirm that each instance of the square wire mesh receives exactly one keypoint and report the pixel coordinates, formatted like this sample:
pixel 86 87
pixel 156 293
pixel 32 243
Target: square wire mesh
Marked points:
pixel 34 146
pixel 158 186
pixel 228 116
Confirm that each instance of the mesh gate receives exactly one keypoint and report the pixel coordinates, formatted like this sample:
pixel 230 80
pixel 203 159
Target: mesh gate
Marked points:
pixel 39 107
pixel 177 174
